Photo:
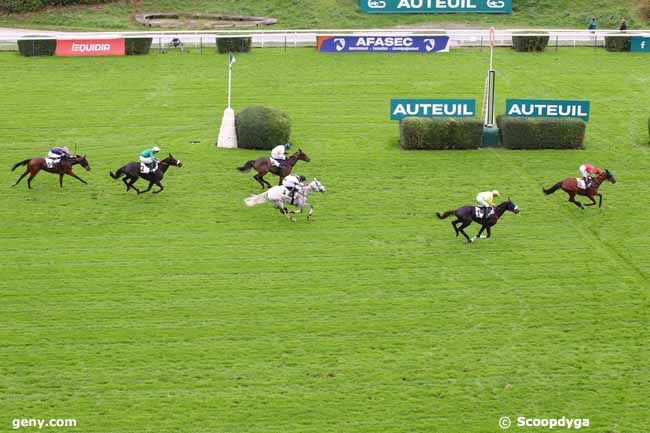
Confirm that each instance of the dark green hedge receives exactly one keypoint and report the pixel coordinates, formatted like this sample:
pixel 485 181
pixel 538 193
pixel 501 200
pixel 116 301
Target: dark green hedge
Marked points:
pixel 618 43
pixel 262 128
pixel 530 43
pixel 242 45
pixel 541 132
pixel 18 6
pixel 36 47
pixel 649 126
pixel 439 133
pixel 137 46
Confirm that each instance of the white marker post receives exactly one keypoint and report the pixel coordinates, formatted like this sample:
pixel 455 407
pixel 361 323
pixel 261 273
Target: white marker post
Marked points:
pixel 227 132
pixel 490 136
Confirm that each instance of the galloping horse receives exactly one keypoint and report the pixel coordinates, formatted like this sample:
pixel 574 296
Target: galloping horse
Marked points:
pixel 570 186
pixel 466 214
pixel 263 165
pixel 131 172
pixel 279 196
pixel 34 165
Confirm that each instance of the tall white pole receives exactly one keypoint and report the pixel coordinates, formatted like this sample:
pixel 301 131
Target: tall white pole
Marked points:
pixel 229 78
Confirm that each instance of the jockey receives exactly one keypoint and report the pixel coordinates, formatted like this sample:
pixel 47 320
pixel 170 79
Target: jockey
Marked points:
pixel 486 200
pixel 148 158
pixel 587 171
pixel 279 154
pixel 56 153
pixel 293 183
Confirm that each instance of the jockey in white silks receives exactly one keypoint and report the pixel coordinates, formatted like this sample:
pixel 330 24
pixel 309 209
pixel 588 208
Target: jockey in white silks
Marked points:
pixel 56 153
pixel 279 154
pixel 293 183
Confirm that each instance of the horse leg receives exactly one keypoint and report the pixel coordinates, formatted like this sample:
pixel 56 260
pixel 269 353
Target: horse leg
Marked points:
pixel 489 231
pixel 460 229
pixel 593 201
pixel 126 179
pixel 600 200
pixel 311 211
pixel 21 178
pixel 453 224
pixel 259 180
pixel 572 199
pixel 159 185
pixel 148 189
pixel 30 178
pixel 60 180
pixel 478 235
pixel 71 173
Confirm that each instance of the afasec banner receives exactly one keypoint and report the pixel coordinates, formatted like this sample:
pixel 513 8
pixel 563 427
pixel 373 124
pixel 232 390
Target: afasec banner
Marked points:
pixel 400 108
pixel 546 108
pixel 90 47
pixel 640 44
pixel 436 6
pixel 383 44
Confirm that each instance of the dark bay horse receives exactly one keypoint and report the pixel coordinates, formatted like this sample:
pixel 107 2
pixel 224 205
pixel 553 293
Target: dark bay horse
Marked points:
pixel 34 165
pixel 263 165
pixel 570 186
pixel 131 173
pixel 466 214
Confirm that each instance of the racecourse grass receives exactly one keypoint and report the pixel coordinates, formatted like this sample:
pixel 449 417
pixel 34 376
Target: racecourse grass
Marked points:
pixel 337 14
pixel 188 312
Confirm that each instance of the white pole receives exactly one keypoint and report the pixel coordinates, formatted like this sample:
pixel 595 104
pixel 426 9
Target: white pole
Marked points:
pixel 229 78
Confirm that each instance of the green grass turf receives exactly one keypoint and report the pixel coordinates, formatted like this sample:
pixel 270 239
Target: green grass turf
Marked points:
pixel 337 14
pixel 188 312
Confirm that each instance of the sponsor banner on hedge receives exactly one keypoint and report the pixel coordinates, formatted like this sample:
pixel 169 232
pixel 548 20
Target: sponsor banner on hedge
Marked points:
pixel 400 108
pixel 640 44
pixel 90 47
pixel 547 108
pixel 383 44
pixel 436 6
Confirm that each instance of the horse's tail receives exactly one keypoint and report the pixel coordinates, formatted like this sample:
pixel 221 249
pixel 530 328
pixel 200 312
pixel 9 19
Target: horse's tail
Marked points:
pixel 445 215
pixel 247 166
pixel 552 189
pixel 254 200
pixel 117 174
pixel 18 164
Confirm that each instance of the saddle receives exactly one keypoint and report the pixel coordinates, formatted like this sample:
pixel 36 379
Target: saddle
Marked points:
pixel 144 169
pixel 50 163
pixel 581 183
pixel 478 211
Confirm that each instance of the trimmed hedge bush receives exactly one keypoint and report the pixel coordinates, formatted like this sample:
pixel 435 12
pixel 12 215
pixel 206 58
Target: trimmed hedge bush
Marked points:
pixel 262 128
pixel 137 46
pixel 618 43
pixel 530 43
pixel 18 6
pixel 541 132
pixel 242 45
pixel 36 47
pixel 440 133
pixel 648 126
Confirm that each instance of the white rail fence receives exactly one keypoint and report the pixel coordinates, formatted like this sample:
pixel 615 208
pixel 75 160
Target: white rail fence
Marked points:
pixel 307 38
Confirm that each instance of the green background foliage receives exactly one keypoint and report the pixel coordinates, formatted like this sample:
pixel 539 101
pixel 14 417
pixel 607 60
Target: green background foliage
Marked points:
pixel 262 127
pixel 440 133
pixel 541 133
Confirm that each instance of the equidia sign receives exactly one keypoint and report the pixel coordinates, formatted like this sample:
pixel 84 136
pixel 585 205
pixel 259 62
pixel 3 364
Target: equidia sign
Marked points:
pixel 547 108
pixel 384 44
pixel 90 47
pixel 400 108
pixel 436 6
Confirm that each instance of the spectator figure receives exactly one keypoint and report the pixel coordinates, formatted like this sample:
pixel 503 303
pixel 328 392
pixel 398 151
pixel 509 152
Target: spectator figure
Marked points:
pixel 592 24
pixel 623 25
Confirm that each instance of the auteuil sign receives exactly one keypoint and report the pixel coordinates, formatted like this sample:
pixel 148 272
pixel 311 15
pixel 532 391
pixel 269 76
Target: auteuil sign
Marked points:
pixel 436 6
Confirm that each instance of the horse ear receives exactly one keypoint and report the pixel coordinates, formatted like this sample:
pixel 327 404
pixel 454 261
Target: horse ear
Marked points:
pixel 299 150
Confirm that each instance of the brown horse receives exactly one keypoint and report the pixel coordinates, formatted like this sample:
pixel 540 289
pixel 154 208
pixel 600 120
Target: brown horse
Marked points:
pixel 263 165
pixel 570 186
pixel 34 165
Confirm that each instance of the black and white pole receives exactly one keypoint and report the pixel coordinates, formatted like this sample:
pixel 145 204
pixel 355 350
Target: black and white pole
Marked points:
pixel 227 132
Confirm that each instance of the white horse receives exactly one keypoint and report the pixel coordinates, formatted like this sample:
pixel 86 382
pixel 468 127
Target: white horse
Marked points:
pixel 279 195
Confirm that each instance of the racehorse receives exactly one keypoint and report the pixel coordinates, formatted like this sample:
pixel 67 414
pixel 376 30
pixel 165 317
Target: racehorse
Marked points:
pixel 570 186
pixel 279 195
pixel 466 214
pixel 263 165
pixel 34 165
pixel 131 172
